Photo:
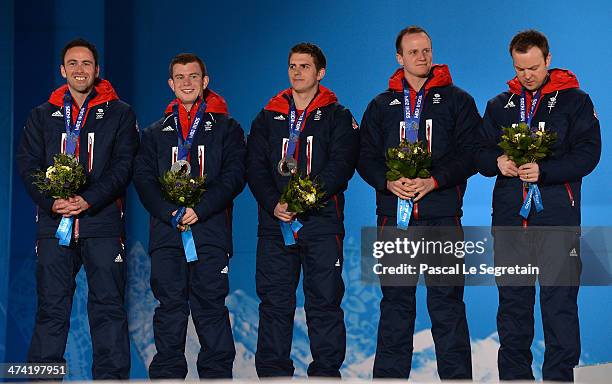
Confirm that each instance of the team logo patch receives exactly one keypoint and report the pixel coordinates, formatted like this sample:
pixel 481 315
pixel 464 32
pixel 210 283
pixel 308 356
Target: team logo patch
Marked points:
pixel 168 128
pixel 395 102
pixel 437 98
pixel 119 259
pixel 551 103
pixel 224 270
pixel 318 115
pixel 57 113
pixel 510 104
pixel 207 126
pixel 99 114
pixel 279 117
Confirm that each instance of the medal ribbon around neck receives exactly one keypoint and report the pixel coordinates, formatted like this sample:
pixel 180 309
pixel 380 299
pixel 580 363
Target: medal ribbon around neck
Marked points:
pixel 184 144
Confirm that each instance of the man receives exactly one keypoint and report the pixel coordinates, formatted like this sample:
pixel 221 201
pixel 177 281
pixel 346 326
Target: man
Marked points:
pixel 550 100
pixel 216 151
pixel 326 148
pixel 86 118
pixel 421 104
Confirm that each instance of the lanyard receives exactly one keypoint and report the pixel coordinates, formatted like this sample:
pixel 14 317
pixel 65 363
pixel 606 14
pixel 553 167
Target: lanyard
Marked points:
pixel 411 121
pixel 184 144
pixel 73 132
pixel 534 104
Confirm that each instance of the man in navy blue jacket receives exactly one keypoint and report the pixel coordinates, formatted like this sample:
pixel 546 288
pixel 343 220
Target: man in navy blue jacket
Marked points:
pixel 105 145
pixel 327 150
pixel 550 100
pixel 445 118
pixel 217 151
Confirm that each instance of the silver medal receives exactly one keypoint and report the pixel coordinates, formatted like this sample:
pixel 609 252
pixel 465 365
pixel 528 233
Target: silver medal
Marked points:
pixel 287 166
pixel 181 166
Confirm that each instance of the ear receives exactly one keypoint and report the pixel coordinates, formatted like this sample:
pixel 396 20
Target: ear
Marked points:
pixel 321 74
pixel 63 71
pixel 171 84
pixel 547 61
pixel 97 71
pixel 205 81
pixel 400 59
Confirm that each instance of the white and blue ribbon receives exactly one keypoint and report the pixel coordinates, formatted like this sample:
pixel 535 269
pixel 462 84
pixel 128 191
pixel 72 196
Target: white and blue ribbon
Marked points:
pixel 184 144
pixel 288 230
pixel 532 194
pixel 64 229
pixel 411 134
pixel 186 236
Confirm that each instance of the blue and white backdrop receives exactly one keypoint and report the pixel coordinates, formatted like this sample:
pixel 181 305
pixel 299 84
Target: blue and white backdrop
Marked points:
pixel 245 47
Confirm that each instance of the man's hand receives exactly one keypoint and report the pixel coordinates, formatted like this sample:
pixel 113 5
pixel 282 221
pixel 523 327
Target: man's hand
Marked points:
pixel 280 211
pixel 506 166
pixel 63 207
pixel 403 188
pixel 190 217
pixel 78 205
pixel 423 187
pixel 529 172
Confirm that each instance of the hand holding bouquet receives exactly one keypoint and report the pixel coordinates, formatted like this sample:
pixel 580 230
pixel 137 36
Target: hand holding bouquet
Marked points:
pixel 178 187
pixel 301 194
pixel 523 145
pixel 409 160
pixel 61 180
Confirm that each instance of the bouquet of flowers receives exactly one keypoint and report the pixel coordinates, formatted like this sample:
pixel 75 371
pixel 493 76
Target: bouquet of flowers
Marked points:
pixel 523 145
pixel 178 187
pixel 409 160
pixel 61 180
pixel 301 194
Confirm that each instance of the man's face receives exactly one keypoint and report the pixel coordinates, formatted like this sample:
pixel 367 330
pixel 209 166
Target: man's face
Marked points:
pixel 79 69
pixel 187 82
pixel 303 74
pixel 531 67
pixel 416 57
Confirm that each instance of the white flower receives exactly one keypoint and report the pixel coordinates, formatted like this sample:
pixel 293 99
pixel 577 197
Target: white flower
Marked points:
pixel 65 167
pixel 311 198
pixel 49 172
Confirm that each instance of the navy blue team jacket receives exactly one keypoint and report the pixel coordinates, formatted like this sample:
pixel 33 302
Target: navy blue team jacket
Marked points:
pixel 327 150
pixel 564 109
pixel 448 124
pixel 106 148
pixel 218 151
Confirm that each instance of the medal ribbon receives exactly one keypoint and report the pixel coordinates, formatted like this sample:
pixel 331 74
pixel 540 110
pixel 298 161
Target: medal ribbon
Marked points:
pixel 411 121
pixel 295 127
pixel 411 133
pixel 184 144
pixel 533 192
pixel 64 229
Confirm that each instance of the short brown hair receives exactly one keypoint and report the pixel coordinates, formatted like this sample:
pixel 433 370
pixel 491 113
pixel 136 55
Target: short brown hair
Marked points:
pixel 80 42
pixel 186 58
pixel 408 31
pixel 313 50
pixel 524 40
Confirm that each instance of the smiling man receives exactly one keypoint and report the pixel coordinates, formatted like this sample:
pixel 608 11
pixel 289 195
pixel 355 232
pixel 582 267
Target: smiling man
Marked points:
pixel 196 133
pixel 85 118
pixel 551 100
pixel 302 129
pixel 421 105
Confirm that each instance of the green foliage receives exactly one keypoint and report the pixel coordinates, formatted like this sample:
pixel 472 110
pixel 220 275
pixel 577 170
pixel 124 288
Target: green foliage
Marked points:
pixel 61 180
pixel 410 160
pixel 182 189
pixel 302 194
pixel 522 145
